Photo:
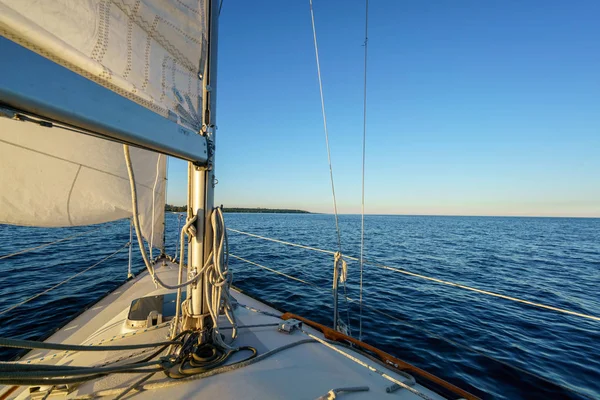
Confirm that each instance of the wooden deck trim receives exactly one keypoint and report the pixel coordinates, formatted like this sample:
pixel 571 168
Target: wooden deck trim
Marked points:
pixel 390 360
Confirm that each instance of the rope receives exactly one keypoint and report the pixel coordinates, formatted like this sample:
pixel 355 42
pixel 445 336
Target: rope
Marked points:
pixel 179 218
pixel 164 245
pixel 215 371
pixel 283 242
pixel 129 273
pixel 458 285
pixel 187 228
pixel 362 204
pixel 115 338
pixel 49 244
pixel 138 231
pixel 61 283
pixel 153 201
pixel 369 367
pixel 218 278
pixel 32 344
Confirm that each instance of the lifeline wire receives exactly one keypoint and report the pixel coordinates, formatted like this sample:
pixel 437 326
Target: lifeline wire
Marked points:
pixel 275 271
pixel 413 274
pixel 426 331
pixel 362 204
pixel 27 250
pixel 62 283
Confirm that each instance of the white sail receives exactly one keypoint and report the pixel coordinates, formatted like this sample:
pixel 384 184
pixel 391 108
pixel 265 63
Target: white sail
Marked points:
pixel 52 177
pixel 150 51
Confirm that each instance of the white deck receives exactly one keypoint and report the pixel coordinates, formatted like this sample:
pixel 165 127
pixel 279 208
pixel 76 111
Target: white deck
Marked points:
pixel 306 371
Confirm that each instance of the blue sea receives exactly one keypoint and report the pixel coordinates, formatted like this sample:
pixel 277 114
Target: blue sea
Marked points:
pixel 495 348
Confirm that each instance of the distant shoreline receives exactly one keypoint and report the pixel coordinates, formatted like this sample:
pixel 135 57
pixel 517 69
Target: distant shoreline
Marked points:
pixel 263 210
pixel 257 210
pixel 260 210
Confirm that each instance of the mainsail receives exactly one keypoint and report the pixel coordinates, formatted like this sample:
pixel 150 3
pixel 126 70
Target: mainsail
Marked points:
pixel 153 53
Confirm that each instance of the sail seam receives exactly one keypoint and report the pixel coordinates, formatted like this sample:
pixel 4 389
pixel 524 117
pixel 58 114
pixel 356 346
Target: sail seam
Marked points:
pixel 149 28
pixel 70 193
pixel 73 162
pixel 101 45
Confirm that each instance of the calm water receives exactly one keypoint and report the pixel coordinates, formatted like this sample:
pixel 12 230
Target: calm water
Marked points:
pixel 555 261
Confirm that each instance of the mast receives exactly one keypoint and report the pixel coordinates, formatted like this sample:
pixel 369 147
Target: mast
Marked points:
pixel 201 182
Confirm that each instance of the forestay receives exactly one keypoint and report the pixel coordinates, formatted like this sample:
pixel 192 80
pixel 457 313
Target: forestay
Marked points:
pixel 151 52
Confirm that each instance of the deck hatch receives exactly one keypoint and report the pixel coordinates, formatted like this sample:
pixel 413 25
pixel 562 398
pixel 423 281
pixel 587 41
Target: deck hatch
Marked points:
pixel 151 310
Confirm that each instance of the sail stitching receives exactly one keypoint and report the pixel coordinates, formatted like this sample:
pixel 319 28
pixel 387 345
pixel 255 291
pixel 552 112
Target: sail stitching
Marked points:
pixel 101 45
pixel 147 52
pixel 190 8
pixel 102 79
pixel 160 39
pixel 136 8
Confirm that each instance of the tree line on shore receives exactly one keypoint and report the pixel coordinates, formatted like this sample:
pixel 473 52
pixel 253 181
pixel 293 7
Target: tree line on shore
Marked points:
pixel 172 208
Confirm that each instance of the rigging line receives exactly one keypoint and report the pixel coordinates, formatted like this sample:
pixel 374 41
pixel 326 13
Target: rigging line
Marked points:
pixel 472 349
pixel 364 145
pixel 164 213
pixel 458 285
pixel 337 226
pixel 275 271
pixel 51 243
pixel 488 293
pixel 429 332
pixel 153 201
pixel 282 242
pixel 63 282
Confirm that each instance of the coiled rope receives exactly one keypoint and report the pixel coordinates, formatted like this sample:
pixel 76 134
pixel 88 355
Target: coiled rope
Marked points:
pixel 215 270
pixel 138 231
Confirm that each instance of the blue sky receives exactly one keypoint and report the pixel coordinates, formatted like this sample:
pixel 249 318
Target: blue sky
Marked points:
pixel 474 107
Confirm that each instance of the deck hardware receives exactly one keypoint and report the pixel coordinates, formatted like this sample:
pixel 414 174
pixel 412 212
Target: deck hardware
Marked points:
pixel 289 326
pixel 333 393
